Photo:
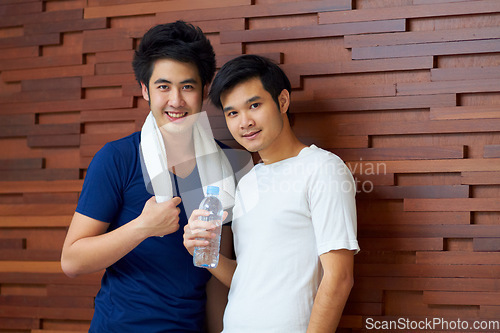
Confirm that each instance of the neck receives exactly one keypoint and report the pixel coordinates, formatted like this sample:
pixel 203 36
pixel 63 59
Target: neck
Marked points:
pixel 285 146
pixel 179 148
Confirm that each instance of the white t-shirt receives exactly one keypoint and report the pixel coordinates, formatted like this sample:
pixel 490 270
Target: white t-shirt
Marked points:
pixel 287 214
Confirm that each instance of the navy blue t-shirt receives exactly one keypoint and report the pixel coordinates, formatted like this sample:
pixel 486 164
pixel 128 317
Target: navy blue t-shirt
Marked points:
pixel 155 287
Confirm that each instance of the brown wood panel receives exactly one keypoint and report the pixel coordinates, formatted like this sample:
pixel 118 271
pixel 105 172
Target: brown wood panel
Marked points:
pixel 40 186
pixel 465 73
pixel 154 7
pixel 420 37
pixel 63 140
pixel 446 48
pixel 453 205
pixel 43 17
pixel 401 153
pixel 21 8
pixel 430 231
pixel 401 244
pixel 40 174
pixel 44 73
pixel 42 39
pixel 491 151
pixel 20 130
pixel 396 12
pixel 374 103
pixel 465 112
pixel 14 243
pixel 65 26
pixel 457 298
pixel 480 178
pixel 312 31
pixel 458 258
pixel 462 86
pixel 421 270
pixel 23 163
pixel 421 127
pixel 66 60
pixel 486 244
pixel 257 10
pixel 404 192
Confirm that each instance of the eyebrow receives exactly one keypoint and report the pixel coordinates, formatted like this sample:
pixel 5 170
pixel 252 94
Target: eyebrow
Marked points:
pixel 249 101
pixel 190 80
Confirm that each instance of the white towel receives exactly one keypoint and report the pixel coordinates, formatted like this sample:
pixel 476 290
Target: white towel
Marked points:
pixel 213 166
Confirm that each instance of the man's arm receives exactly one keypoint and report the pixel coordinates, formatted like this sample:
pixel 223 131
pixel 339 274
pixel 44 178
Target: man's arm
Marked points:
pixel 333 291
pixel 88 248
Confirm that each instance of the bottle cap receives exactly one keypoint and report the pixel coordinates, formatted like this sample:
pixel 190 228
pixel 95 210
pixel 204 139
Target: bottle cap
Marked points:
pixel 214 190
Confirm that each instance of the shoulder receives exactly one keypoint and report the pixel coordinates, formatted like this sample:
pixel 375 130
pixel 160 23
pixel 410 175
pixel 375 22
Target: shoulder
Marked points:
pixel 123 147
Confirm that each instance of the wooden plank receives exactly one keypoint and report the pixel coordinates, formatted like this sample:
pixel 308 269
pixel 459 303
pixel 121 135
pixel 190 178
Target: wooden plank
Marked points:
pixel 49 302
pixel 401 244
pixel 422 191
pixel 106 42
pixel 430 231
pixel 30 267
pixel 12 243
pixel 486 244
pixel 155 7
pixel 30 255
pixel 47 313
pixel 41 96
pixel 65 26
pixel 491 151
pixel 67 106
pixel 114 68
pixel 420 127
pixel 55 221
pixel 258 10
pixel 63 140
pixel 41 186
pixel 420 11
pixel 480 178
pixel 18 323
pixel 49 278
pixel 373 104
pixel 220 25
pixel 427 166
pixel 458 258
pixel 40 62
pixel 21 8
pixel 465 112
pixel 453 205
pixel 40 174
pixel 461 298
pixel 335 141
pixel 21 164
pixel 421 37
pixel 113 56
pixel 417 218
pixel 367 181
pixel 38 40
pixel 432 284
pixel 51 84
pixel 430 49
pixel 20 52
pixel 48 129
pixel 107 80
pixel 352 91
pixel 311 31
pixel 465 73
pixel 69 290
pixel 428 270
pixel 44 73
pixel 401 153
pixel 37 210
pixel 462 86
pixel 294 71
pixel 42 17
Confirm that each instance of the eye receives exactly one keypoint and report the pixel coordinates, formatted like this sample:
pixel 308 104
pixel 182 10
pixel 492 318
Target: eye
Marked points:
pixel 254 105
pixel 163 87
pixel 188 87
pixel 231 114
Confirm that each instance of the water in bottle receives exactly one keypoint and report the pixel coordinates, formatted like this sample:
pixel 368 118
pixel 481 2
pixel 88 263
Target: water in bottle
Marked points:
pixel 208 256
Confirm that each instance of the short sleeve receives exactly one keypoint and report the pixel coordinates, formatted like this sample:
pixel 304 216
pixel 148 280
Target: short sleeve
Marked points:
pixel 331 195
pixel 101 196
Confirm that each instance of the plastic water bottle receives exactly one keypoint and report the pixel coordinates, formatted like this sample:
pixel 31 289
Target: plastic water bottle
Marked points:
pixel 208 256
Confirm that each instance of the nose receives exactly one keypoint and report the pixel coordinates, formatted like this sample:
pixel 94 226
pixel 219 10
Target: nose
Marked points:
pixel 175 99
pixel 246 121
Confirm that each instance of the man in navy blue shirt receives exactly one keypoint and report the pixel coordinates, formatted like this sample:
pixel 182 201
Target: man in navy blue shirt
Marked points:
pixel 150 283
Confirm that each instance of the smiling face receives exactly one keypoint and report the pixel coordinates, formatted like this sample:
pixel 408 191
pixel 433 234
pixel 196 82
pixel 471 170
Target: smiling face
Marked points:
pixel 253 117
pixel 175 94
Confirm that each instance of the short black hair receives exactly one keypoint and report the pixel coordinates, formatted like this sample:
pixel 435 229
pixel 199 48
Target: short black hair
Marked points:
pixel 179 41
pixel 246 67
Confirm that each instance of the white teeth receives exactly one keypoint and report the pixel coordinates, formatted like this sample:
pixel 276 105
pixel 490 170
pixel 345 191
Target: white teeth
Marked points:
pixel 176 115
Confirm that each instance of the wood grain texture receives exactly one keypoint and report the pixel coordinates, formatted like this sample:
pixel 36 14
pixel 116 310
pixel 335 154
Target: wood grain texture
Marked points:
pixel 407 93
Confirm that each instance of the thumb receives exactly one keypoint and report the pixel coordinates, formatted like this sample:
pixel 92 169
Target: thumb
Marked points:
pixel 176 200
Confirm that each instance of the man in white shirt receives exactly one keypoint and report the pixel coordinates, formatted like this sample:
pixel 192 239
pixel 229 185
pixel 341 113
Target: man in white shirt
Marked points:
pixel 294 220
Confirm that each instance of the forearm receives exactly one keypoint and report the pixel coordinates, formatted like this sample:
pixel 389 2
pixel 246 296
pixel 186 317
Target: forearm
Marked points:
pixel 95 253
pixel 329 304
pixel 225 270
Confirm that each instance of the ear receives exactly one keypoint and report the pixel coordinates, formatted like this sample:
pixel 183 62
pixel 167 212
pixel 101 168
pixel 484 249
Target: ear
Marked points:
pixel 284 100
pixel 205 91
pixel 145 91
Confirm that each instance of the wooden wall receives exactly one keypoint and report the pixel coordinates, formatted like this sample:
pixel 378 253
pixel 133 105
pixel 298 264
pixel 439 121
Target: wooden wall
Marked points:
pixel 407 92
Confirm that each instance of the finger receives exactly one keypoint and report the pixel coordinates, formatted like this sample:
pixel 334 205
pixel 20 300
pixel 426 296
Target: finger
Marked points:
pixel 201 225
pixel 176 201
pixel 224 215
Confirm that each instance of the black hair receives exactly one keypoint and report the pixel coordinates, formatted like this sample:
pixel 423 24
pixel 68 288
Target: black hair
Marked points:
pixel 246 67
pixel 179 41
